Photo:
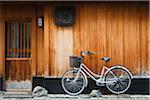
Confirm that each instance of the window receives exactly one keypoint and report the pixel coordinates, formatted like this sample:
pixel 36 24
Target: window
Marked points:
pixel 18 40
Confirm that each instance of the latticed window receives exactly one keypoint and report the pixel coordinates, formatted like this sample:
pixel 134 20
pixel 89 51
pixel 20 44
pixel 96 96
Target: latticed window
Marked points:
pixel 18 40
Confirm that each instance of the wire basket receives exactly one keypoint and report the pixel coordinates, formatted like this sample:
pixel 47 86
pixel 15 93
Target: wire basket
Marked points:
pixel 75 61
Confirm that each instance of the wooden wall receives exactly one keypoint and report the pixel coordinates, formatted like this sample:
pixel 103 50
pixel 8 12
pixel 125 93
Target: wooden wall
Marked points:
pixel 117 30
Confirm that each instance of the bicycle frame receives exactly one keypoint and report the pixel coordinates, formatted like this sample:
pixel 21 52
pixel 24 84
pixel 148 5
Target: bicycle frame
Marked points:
pixel 95 77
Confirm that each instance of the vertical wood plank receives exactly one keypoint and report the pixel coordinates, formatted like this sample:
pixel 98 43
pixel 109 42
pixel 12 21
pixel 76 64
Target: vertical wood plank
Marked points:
pixel 76 32
pixel 116 37
pixel 13 12
pixel 101 31
pixel 144 36
pixel 33 43
pixel 130 39
pixel 84 21
pixel 67 47
pixel 46 40
pixel 2 47
pixel 60 50
pixel 93 37
pixel 109 32
pixel 148 43
pixel 2 11
pixel 119 38
pixel 40 43
pixel 53 43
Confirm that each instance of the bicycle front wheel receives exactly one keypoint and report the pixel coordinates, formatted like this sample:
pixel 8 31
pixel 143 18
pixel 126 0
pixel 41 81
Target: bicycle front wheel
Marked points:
pixel 73 82
pixel 118 80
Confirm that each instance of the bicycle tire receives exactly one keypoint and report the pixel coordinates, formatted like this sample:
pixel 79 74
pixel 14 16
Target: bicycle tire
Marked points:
pixel 119 83
pixel 69 85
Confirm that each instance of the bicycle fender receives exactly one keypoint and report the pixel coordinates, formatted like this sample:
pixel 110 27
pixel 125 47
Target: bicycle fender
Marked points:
pixel 119 66
pixel 86 80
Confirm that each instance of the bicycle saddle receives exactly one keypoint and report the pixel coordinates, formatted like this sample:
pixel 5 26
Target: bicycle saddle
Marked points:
pixel 106 59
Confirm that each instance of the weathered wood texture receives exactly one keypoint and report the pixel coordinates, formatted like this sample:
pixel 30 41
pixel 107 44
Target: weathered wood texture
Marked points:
pixel 117 30
pixel 2 47
pixel 20 69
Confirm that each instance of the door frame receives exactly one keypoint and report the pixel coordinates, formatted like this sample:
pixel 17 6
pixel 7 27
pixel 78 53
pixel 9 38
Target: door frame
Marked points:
pixel 33 49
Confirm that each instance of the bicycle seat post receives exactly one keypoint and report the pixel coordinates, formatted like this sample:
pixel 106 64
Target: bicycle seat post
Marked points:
pixel 105 63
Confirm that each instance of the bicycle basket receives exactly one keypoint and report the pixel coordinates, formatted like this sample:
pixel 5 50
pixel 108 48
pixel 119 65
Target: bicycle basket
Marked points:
pixel 75 61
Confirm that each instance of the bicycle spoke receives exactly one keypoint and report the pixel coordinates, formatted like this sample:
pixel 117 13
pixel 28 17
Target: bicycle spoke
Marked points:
pixel 123 80
pixel 115 85
pixel 73 82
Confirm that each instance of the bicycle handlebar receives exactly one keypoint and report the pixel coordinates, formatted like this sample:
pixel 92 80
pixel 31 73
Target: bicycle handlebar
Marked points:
pixel 87 52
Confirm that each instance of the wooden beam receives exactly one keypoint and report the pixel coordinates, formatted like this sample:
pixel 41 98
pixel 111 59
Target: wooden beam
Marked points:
pixel 2 47
pixel 46 41
pixel 33 44
pixel 40 42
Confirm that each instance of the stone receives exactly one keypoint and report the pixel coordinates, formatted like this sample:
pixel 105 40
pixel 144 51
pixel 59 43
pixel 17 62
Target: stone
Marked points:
pixel 39 91
pixel 95 93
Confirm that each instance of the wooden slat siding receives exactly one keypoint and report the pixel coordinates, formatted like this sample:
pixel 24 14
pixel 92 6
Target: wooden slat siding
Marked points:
pixel 119 57
pixel 144 51
pixel 2 11
pixel 22 67
pixel 46 40
pixel 2 47
pixel 76 31
pixel 137 19
pixel 93 36
pixel 109 32
pixel 60 50
pixel 53 43
pixel 130 38
pixel 40 42
pixel 143 44
pixel 148 32
pixel 27 74
pixel 67 47
pixel 33 41
pixel 84 18
pixel 101 31
pixel 12 12
pixel 116 34
pixel 121 37
pixel 19 69
pixel 27 11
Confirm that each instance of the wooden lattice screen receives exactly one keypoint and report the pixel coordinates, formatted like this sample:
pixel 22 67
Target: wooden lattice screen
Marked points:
pixel 18 40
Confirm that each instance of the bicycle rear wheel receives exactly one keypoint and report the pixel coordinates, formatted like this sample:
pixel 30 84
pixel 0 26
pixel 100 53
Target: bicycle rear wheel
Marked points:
pixel 118 80
pixel 73 82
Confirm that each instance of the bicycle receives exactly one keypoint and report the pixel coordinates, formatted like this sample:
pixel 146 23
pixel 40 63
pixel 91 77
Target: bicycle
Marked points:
pixel 116 78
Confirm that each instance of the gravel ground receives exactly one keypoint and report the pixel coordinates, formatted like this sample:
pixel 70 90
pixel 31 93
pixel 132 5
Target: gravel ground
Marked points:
pixel 80 97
